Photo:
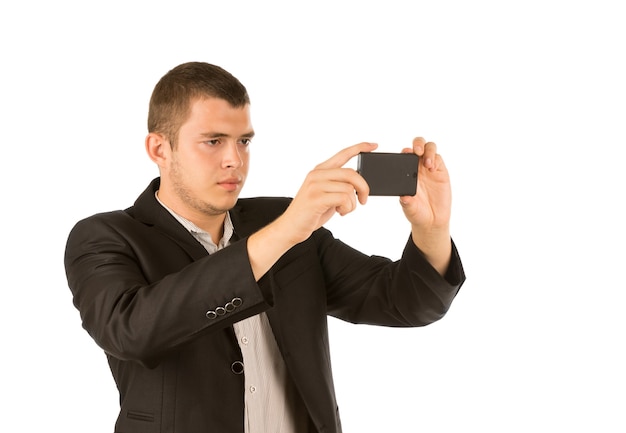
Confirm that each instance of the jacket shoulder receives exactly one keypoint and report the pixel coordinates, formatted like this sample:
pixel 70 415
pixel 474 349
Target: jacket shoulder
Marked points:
pixel 117 218
pixel 263 208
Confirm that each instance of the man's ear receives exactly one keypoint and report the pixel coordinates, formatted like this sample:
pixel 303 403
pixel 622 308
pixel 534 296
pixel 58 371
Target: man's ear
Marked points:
pixel 158 148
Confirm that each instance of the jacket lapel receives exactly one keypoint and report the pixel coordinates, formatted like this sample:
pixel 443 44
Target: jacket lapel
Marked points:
pixel 150 212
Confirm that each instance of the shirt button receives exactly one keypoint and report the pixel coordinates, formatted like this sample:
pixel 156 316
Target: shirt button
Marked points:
pixel 253 389
pixel 244 340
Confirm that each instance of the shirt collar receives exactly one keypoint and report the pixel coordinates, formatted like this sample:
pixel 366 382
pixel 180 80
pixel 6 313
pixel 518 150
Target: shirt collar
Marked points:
pixel 199 233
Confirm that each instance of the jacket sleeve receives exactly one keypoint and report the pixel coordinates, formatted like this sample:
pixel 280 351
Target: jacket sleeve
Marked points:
pixel 139 295
pixel 374 290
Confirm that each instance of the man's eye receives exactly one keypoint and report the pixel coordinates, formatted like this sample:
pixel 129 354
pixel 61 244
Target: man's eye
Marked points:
pixel 245 141
pixel 212 142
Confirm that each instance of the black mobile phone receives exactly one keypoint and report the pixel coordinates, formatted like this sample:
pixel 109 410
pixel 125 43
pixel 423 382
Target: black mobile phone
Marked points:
pixel 391 174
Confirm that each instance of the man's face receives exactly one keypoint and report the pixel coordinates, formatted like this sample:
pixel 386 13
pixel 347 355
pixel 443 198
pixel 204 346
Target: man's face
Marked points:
pixel 207 169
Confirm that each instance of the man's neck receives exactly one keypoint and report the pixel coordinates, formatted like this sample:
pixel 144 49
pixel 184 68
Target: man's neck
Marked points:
pixel 213 224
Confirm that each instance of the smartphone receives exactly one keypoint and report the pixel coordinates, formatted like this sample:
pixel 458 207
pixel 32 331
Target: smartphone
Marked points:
pixel 390 174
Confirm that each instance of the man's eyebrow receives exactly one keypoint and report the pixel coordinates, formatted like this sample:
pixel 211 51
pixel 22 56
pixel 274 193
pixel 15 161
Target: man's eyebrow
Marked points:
pixel 222 134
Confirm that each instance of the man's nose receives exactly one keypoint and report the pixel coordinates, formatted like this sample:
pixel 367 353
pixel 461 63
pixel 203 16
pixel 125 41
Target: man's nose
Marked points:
pixel 232 156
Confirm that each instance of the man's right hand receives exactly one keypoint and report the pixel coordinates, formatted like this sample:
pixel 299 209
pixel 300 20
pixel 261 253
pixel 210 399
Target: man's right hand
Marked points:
pixel 327 189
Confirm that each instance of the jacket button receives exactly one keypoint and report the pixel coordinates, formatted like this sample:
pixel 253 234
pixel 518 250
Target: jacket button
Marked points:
pixel 237 367
pixel 211 315
pixel 237 302
pixel 220 311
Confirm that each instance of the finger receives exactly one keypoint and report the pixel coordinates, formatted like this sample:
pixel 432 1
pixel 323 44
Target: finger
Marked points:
pixel 362 189
pixel 418 145
pixel 342 179
pixel 439 163
pixel 338 202
pixel 347 203
pixel 356 182
pixel 430 155
pixel 405 200
pixel 343 156
pixel 339 196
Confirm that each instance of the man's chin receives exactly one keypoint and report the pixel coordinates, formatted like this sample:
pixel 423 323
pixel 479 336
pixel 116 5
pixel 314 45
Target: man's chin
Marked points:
pixel 222 207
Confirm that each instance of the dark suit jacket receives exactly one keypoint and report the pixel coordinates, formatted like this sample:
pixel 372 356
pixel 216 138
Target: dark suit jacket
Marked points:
pixel 144 285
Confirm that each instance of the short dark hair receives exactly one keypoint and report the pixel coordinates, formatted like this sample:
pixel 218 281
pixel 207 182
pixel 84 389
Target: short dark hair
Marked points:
pixel 171 98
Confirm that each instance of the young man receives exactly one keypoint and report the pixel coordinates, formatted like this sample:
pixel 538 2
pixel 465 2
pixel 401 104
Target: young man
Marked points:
pixel 212 310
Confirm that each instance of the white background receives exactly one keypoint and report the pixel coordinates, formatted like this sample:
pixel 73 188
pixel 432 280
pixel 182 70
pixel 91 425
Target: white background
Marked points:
pixel 526 101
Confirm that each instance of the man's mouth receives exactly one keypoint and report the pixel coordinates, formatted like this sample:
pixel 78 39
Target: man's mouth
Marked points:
pixel 230 184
